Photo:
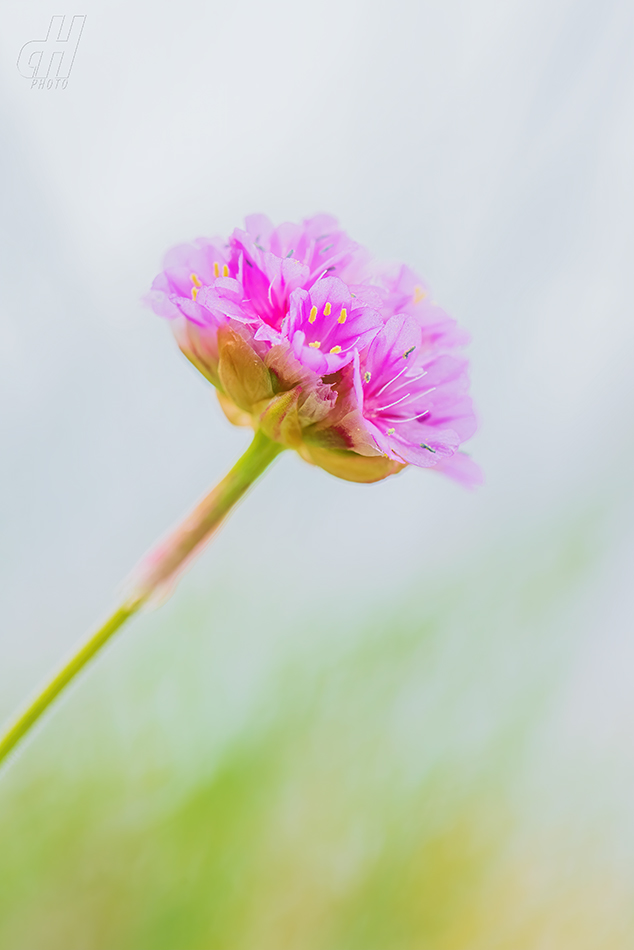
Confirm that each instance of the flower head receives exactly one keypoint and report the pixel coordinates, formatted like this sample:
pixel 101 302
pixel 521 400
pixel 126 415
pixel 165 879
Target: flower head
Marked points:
pixel 352 365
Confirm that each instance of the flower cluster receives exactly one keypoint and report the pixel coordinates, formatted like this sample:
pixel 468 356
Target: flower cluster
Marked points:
pixel 304 337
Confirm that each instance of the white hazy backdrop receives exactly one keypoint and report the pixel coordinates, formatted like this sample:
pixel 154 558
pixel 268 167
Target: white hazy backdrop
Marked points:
pixel 489 144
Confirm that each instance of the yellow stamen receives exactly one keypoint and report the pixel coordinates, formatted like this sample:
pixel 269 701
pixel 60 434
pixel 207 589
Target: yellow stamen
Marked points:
pixel 367 376
pixel 194 292
pixel 343 315
pixel 195 279
pixel 316 344
pixel 391 431
pixel 327 309
pixel 225 270
pixel 216 269
pixel 336 349
pixel 419 294
pixel 313 315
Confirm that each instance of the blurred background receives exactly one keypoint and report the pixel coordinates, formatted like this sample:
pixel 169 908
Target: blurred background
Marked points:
pixel 386 717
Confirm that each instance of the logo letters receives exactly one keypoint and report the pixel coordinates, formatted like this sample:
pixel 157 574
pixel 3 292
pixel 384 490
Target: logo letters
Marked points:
pixel 52 57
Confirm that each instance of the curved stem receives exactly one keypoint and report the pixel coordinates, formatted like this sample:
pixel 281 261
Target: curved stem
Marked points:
pixel 155 573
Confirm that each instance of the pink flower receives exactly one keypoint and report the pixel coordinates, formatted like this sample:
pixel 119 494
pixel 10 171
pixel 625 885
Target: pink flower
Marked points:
pixel 328 323
pixel 350 364
pixel 273 262
pixel 413 399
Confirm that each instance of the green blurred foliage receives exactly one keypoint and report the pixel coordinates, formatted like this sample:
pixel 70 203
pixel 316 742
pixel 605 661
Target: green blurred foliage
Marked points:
pixel 218 780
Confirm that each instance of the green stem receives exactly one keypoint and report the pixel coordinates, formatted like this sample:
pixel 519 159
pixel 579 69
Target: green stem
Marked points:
pixel 155 573
pixel 23 722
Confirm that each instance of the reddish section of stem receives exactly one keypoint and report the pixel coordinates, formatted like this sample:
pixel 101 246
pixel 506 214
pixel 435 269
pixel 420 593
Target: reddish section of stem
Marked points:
pixel 160 568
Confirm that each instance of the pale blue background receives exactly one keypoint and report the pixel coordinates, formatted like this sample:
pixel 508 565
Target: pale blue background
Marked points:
pixel 490 145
